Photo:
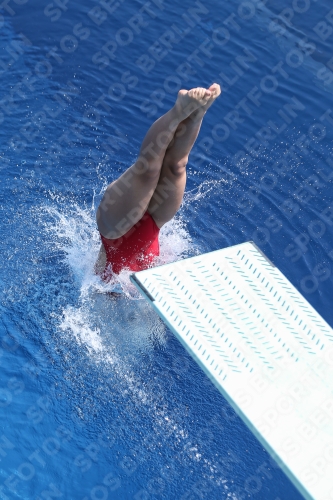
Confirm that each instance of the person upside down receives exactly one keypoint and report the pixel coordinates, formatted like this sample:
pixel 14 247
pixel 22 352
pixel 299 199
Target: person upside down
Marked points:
pixel 149 193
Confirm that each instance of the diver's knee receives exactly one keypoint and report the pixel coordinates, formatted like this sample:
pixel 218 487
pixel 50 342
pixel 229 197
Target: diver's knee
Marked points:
pixel 177 168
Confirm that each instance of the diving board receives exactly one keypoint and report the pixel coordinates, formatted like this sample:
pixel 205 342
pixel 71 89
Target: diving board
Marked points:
pixel 264 347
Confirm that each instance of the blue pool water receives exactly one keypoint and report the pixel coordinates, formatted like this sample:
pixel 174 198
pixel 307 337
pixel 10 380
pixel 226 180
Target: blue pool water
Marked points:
pixel 98 400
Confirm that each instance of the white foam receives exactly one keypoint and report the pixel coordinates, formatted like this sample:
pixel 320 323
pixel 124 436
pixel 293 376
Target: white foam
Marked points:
pixel 76 320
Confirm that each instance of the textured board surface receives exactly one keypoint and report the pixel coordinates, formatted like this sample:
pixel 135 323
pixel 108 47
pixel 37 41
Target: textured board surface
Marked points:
pixel 265 348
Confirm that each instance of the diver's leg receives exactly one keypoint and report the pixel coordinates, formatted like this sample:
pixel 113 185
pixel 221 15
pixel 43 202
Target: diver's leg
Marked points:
pixel 169 191
pixel 126 199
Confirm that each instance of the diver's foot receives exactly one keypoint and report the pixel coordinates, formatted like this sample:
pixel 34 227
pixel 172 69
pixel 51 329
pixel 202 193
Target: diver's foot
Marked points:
pixel 215 91
pixel 190 100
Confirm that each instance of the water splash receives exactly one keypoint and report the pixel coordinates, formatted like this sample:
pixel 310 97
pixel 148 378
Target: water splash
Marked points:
pixel 77 321
pixel 201 191
pixel 98 321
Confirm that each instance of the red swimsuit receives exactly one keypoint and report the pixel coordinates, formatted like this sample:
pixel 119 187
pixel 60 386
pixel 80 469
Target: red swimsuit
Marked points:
pixel 134 250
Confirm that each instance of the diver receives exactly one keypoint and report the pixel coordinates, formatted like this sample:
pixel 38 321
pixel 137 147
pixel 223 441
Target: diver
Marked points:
pixel 149 193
